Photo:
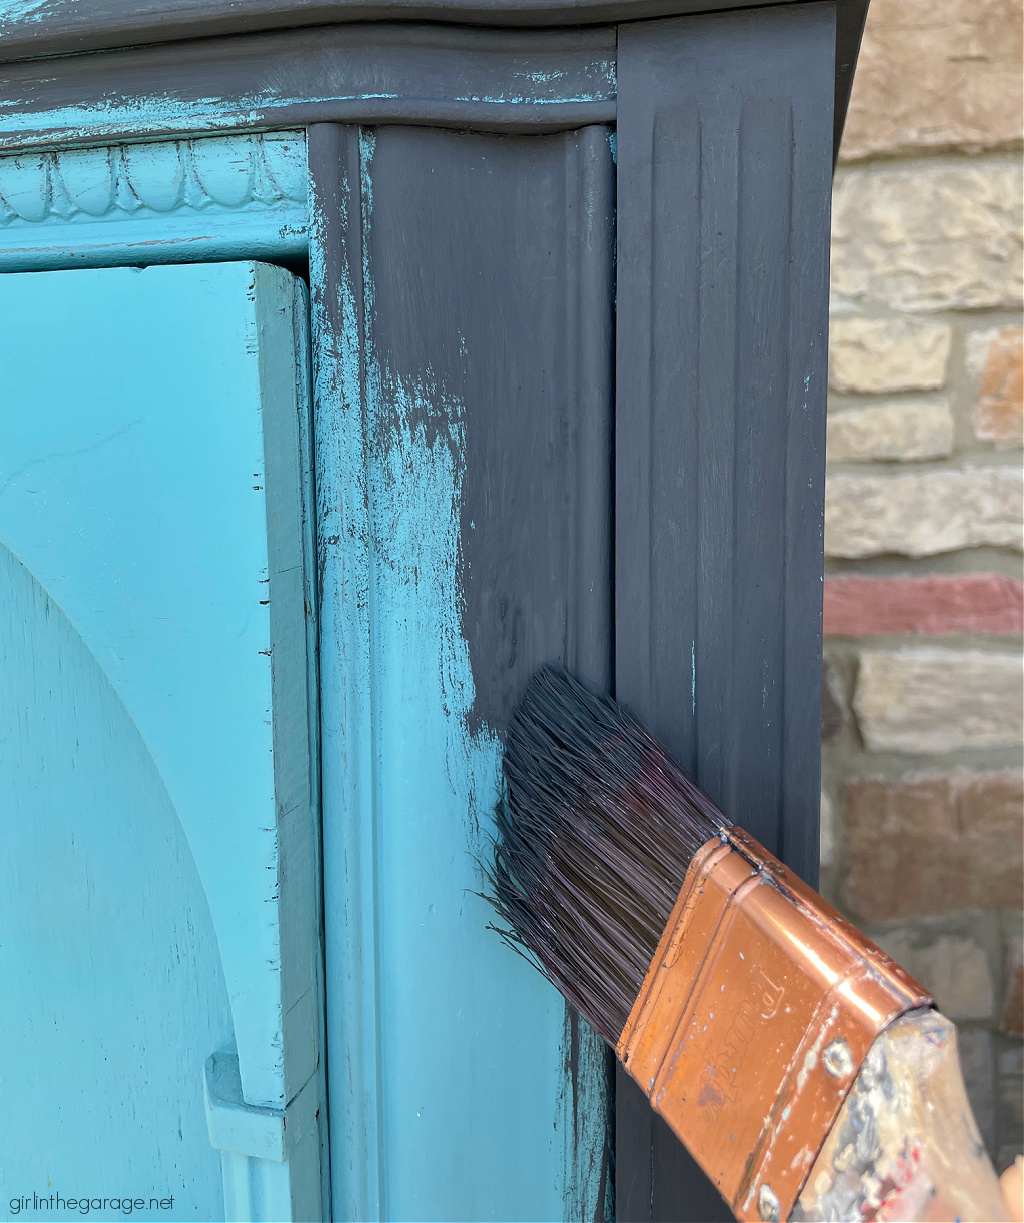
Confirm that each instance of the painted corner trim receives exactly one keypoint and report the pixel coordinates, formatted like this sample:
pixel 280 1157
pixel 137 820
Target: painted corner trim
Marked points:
pixel 218 197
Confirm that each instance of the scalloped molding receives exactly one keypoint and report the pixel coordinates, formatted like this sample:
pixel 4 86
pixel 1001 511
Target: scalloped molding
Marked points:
pixel 215 197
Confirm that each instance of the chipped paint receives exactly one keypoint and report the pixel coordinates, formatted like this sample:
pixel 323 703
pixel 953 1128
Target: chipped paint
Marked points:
pixel 36 115
pixel 466 1027
pixel 19 12
pixel 587 1123
pixel 344 562
pixel 450 1095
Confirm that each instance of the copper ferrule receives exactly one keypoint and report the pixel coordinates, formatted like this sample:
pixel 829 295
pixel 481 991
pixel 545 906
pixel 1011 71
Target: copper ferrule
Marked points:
pixel 758 1008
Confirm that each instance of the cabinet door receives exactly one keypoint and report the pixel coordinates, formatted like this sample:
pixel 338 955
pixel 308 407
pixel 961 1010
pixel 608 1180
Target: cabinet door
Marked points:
pixel 158 946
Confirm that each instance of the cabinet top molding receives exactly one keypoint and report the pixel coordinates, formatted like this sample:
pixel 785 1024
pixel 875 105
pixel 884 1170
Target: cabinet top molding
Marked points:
pixel 447 76
pixel 213 66
pixel 30 28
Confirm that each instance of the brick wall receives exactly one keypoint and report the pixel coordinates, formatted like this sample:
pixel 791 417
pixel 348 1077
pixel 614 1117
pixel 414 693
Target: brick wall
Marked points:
pixel 922 803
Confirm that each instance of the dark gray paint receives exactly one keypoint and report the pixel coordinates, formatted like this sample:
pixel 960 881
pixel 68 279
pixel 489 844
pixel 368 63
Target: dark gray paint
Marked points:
pixel 486 276
pixel 492 263
pixel 850 18
pixel 492 275
pixel 509 80
pixel 62 27
pixel 724 138
pixel 329 73
pixel 492 267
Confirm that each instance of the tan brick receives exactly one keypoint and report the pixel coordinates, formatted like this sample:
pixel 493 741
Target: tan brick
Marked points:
pixel 934 845
pixel 912 429
pixel 997 358
pixel 935 74
pixel 921 513
pixel 926 700
pixel 873 355
pixel 942 235
pixel 953 969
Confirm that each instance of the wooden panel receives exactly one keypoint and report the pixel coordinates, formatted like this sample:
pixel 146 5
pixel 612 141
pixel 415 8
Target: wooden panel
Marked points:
pixel 153 490
pixel 468 341
pixel 63 28
pixel 113 990
pixel 517 80
pixel 724 139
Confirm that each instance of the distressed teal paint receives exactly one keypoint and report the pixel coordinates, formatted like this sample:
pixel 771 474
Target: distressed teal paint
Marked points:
pixel 17 11
pixel 112 993
pixel 147 116
pixel 588 1122
pixel 450 1096
pixel 344 559
pixel 165 113
pixel 470 1034
pixel 154 489
pixel 156 113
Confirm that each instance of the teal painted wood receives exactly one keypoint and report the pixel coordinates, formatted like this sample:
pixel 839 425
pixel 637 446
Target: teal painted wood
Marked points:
pixel 112 991
pixel 449 1055
pixel 222 197
pixel 345 566
pixel 151 483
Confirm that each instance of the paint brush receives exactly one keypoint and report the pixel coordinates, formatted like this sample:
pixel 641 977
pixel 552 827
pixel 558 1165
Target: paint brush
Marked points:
pixel 806 1072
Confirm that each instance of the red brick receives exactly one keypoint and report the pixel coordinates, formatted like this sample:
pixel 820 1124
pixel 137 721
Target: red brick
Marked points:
pixel 935 845
pixel 860 606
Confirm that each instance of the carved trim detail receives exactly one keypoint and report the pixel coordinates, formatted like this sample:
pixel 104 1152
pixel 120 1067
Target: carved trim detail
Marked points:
pixel 255 172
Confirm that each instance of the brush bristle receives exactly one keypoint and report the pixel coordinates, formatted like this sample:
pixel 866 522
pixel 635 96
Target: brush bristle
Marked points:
pixel 595 834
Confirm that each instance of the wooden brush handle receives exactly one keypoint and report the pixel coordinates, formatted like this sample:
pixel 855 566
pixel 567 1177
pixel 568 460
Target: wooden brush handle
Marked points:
pixel 904 1144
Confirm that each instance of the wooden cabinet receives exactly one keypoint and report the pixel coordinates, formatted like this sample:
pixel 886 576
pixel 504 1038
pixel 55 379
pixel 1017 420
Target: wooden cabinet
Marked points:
pixel 160 932
pixel 349 369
